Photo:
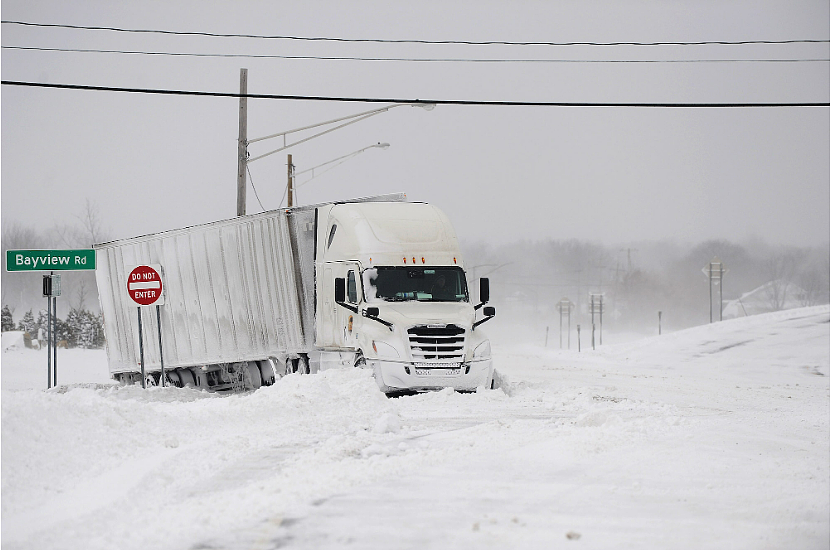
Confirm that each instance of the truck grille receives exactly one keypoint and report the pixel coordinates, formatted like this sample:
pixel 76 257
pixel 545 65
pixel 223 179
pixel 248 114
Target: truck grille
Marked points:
pixel 437 344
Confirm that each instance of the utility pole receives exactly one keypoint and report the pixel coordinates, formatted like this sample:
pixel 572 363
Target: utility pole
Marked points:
pixel 242 144
pixel 290 192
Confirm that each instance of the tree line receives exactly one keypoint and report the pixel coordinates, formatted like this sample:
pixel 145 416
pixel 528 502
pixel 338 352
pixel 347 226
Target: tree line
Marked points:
pixel 639 279
pixel 80 329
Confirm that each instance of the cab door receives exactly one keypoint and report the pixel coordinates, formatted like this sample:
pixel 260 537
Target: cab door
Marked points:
pixel 338 323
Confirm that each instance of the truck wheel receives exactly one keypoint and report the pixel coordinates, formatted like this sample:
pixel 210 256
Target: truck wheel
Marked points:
pixel 186 376
pixel 360 360
pixel 267 371
pixel 172 378
pixel 254 375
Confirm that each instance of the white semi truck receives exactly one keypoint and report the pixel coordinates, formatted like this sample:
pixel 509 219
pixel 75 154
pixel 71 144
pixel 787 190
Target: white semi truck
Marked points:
pixel 377 283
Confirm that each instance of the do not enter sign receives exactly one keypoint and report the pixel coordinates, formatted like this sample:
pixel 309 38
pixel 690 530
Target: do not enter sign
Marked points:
pixel 144 285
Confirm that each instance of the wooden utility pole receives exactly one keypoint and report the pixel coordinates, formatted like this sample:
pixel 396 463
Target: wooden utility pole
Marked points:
pixel 290 184
pixel 242 144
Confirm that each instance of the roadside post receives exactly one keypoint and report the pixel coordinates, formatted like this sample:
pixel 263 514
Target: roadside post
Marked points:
pixel 561 336
pixel 715 271
pixel 659 323
pixel 51 290
pixel 597 308
pixel 51 261
pixel 578 338
pixel 565 306
pixel 145 288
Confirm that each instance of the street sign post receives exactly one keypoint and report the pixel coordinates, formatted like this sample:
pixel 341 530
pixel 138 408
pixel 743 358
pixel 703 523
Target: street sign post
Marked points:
pixel 145 288
pixel 51 260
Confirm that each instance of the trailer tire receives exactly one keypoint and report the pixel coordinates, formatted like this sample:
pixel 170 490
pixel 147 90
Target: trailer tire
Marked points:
pixel 173 378
pixel 186 376
pixel 267 371
pixel 254 377
pixel 150 380
pixel 360 360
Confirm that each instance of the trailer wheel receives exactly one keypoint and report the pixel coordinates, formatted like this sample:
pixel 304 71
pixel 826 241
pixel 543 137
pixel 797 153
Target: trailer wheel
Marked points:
pixel 267 371
pixel 150 380
pixel 173 379
pixel 186 376
pixel 360 360
pixel 254 377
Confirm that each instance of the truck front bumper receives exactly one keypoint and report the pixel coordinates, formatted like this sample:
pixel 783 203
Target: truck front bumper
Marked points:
pixel 393 376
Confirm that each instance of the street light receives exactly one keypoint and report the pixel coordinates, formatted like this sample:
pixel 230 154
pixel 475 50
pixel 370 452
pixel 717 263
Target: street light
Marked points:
pixel 292 174
pixel 244 159
pixel 351 118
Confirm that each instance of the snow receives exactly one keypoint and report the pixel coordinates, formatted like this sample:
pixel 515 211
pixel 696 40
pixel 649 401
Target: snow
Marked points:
pixel 713 437
pixel 13 340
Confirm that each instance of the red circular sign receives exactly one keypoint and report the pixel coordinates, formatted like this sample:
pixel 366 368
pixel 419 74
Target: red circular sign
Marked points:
pixel 144 285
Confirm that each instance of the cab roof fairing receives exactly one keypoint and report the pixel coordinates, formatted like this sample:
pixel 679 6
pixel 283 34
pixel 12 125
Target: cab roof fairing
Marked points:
pixel 389 232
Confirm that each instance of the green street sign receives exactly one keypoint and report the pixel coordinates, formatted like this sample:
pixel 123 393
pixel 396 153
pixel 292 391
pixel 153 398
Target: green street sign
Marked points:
pixel 50 260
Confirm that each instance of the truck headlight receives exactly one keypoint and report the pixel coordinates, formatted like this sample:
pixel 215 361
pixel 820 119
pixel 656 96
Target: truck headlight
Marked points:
pixel 384 350
pixel 483 350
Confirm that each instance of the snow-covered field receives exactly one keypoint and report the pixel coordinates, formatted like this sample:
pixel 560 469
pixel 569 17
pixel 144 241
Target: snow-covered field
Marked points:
pixel 714 437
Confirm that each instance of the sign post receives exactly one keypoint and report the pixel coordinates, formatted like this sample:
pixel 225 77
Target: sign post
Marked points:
pixel 565 306
pixel 51 260
pixel 715 271
pixel 145 288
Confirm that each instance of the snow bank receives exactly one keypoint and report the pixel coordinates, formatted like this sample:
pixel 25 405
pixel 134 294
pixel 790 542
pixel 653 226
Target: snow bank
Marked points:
pixel 713 437
pixel 12 340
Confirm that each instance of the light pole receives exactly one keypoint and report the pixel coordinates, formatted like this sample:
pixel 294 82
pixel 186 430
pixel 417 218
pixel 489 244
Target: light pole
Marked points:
pixel 244 142
pixel 292 185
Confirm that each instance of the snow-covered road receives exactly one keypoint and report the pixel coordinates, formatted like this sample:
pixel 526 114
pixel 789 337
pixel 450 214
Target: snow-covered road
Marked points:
pixel 714 437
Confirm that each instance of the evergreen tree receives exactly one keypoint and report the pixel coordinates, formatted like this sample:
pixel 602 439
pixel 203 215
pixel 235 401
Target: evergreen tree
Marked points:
pixel 74 321
pixel 91 331
pixel 27 324
pixel 6 319
pixel 42 323
pixel 62 332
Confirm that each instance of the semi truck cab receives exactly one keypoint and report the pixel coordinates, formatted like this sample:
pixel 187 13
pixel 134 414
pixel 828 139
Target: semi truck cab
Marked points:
pixel 393 296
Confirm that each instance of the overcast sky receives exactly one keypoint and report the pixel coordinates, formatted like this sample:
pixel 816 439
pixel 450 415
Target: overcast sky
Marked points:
pixel 608 174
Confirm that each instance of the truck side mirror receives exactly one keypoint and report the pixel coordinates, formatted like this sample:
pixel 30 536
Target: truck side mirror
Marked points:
pixel 484 290
pixel 489 311
pixel 340 290
pixel 372 312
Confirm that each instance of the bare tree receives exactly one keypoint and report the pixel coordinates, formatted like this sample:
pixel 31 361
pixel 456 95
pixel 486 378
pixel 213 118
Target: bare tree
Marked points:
pixel 780 267
pixel 18 236
pixel 90 219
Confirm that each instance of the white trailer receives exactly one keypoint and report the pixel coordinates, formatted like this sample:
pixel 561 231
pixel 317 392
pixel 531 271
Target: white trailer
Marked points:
pixel 376 283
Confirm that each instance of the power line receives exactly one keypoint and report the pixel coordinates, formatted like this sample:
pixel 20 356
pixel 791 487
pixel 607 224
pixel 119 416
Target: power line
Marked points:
pixel 254 188
pixel 411 101
pixel 411 41
pixel 410 59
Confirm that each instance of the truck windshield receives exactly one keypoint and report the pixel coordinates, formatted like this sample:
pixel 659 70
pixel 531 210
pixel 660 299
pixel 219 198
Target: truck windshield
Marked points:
pixel 424 284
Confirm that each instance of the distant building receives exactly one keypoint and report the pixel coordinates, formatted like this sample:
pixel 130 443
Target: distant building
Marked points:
pixel 771 296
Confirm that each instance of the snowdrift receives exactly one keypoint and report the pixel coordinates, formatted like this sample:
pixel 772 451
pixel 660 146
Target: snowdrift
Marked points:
pixel 715 437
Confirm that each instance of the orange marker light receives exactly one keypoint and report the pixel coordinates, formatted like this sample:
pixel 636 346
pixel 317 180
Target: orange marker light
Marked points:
pixel 422 260
pixel 413 259
pixel 405 260
pixel 454 260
